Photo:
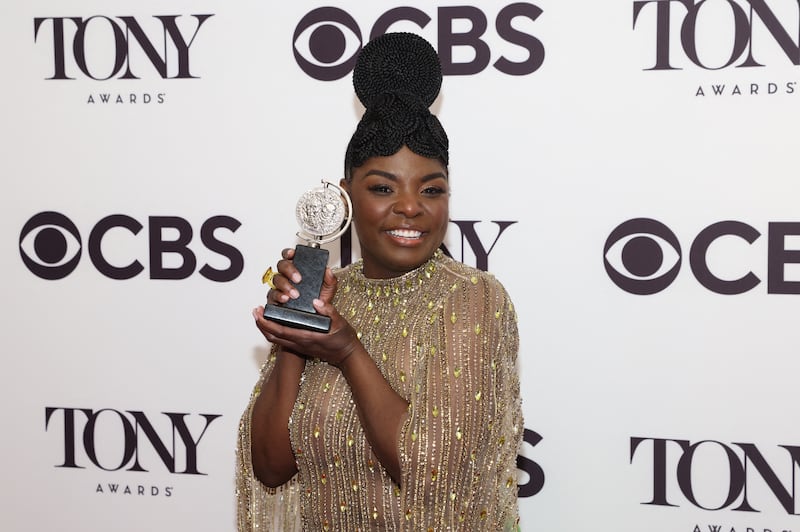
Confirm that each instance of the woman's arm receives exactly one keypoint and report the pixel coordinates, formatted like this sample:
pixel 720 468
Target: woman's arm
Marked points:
pixel 380 409
pixel 459 444
pixel 272 457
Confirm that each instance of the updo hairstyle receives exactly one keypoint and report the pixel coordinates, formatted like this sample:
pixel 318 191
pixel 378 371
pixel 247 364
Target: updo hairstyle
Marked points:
pixel 397 78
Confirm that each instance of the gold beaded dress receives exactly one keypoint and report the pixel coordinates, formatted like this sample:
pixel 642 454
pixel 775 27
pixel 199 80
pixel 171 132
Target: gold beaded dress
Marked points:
pixel 445 338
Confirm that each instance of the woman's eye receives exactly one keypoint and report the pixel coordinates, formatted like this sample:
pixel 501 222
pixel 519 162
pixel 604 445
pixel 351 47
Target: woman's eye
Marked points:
pixel 434 191
pixel 380 189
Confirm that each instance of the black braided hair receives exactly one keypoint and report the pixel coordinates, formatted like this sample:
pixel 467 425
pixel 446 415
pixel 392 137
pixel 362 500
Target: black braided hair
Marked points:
pixel 397 78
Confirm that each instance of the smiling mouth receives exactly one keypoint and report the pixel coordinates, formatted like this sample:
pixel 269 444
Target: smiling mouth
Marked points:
pixel 405 233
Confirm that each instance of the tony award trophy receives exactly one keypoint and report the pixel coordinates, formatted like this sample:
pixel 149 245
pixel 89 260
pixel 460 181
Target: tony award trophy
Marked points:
pixel 323 214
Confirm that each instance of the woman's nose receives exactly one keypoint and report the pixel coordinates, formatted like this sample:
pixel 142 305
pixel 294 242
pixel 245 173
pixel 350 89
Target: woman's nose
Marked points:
pixel 407 204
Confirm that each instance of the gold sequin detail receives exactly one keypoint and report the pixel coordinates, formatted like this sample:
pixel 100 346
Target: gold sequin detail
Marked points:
pixel 414 329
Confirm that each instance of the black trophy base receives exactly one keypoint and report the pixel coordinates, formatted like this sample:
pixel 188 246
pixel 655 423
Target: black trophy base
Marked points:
pixel 298 319
pixel 300 313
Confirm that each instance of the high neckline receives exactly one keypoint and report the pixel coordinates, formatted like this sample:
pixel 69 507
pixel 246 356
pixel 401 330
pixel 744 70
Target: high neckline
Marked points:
pixel 406 281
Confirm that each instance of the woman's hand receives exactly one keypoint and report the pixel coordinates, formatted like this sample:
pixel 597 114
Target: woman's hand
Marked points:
pixel 285 279
pixel 333 347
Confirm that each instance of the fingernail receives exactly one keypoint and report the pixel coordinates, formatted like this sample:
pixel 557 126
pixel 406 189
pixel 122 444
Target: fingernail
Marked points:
pixel 294 293
pixel 296 278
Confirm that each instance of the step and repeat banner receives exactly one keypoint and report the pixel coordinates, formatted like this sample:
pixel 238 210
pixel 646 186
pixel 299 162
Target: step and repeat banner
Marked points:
pixel 627 169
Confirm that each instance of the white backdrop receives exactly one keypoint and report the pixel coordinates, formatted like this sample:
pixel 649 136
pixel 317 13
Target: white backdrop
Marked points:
pixel 652 401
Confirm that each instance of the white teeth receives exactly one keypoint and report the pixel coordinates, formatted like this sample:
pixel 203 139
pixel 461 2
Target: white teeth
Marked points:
pixel 405 233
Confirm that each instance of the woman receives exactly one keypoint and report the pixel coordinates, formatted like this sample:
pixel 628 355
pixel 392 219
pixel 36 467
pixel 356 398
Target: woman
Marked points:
pixel 406 415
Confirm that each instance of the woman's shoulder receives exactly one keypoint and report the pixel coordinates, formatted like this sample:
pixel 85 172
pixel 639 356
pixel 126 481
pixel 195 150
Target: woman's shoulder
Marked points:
pixel 478 298
pixel 470 275
pixel 341 271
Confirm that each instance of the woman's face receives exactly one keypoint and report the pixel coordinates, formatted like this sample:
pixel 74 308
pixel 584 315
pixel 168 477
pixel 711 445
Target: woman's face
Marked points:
pixel 400 211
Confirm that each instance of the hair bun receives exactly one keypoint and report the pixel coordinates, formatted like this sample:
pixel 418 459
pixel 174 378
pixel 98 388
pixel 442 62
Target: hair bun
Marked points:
pixel 398 63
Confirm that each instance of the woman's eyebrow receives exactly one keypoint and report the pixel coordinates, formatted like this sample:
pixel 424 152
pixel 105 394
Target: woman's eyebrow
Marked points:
pixel 381 173
pixel 393 177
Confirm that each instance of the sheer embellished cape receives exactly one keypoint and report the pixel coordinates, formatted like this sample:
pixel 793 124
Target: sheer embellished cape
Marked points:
pixel 445 338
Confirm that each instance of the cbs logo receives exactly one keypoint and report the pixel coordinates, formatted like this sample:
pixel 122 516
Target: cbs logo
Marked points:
pixel 643 256
pixel 327 40
pixel 50 245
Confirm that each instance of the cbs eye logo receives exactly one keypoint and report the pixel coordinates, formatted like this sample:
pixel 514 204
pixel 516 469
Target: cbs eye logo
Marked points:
pixel 327 40
pixel 50 245
pixel 326 43
pixel 642 256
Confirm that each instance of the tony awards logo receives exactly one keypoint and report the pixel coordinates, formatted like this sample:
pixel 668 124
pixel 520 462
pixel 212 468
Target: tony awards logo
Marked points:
pixel 323 214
